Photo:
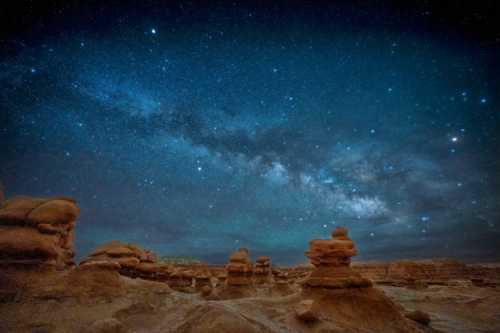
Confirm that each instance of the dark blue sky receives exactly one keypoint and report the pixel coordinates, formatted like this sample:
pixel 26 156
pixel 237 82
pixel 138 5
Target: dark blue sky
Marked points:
pixel 195 130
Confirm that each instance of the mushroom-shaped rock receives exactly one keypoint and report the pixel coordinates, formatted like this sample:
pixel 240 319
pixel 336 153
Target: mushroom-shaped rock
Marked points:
pixel 262 271
pixel 239 269
pixel 36 231
pixel 332 258
pixel 132 260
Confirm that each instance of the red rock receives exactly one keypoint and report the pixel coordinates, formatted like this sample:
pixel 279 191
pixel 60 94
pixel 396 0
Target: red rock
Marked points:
pixel 239 269
pixel 332 258
pixel 56 211
pixel 37 231
pixel 262 271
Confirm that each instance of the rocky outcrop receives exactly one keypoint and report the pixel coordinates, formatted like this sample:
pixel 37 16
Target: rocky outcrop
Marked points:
pixel 331 259
pixel 262 271
pixel 130 260
pixel 239 273
pixel 239 269
pixel 37 232
pixel 182 280
pixel 341 295
pixel 203 281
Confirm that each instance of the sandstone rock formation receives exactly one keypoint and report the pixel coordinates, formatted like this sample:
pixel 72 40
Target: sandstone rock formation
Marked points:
pixel 130 260
pixel 37 232
pixel 262 271
pixel 343 296
pixel 239 269
pixel 202 280
pixel 332 259
pixel 239 273
pixel 182 280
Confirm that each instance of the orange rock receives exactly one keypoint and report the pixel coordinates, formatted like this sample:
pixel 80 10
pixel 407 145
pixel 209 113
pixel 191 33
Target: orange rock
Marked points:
pixel 332 258
pixel 38 231
pixel 262 271
pixel 239 269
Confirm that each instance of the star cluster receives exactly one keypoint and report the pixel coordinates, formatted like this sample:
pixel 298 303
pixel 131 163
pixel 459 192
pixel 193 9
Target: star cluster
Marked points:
pixel 195 131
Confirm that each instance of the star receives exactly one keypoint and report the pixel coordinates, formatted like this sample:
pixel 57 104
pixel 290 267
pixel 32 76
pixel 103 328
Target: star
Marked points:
pixel 483 100
pixel 153 31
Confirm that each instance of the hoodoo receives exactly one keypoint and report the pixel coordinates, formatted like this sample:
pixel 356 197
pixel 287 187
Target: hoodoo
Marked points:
pixel 332 260
pixel 262 271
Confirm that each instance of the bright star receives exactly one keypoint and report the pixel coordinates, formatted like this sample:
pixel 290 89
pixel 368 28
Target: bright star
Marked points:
pixel 454 139
pixel 153 31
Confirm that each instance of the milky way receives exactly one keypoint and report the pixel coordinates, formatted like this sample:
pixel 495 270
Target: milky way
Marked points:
pixel 195 131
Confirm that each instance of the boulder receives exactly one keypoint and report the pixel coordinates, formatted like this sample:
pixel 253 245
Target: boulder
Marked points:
pixel 304 311
pixel 419 317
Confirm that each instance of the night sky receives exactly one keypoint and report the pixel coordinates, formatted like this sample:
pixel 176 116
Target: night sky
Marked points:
pixel 195 130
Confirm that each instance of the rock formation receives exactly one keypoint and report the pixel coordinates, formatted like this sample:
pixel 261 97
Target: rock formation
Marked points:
pixel 305 311
pixel 129 259
pixel 37 232
pixel 262 271
pixel 332 259
pixel 239 269
pixel 341 295
pixel 203 282
pixel 239 272
pixel 182 280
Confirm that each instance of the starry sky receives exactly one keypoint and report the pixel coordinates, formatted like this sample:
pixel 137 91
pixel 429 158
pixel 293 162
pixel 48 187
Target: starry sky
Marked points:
pixel 194 129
